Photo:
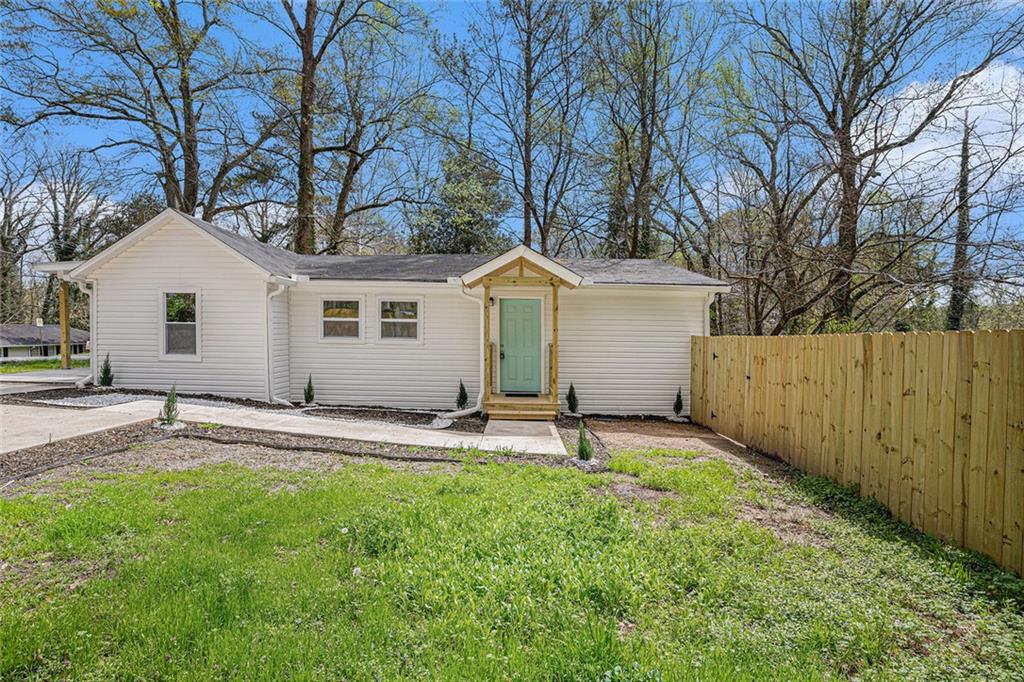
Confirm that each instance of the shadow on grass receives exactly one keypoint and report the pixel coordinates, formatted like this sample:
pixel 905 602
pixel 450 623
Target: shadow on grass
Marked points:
pixel 977 572
pixel 980 574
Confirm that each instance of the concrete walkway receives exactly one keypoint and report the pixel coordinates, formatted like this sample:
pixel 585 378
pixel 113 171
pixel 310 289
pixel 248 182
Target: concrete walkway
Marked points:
pixel 27 426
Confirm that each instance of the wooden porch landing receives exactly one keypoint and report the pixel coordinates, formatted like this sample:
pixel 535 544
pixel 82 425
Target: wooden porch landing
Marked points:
pixel 536 408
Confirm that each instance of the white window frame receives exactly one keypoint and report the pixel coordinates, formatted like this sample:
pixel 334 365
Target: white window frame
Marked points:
pixel 162 326
pixel 360 321
pixel 399 298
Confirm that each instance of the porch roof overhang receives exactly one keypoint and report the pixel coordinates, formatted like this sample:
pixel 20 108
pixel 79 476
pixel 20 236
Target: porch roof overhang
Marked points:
pixel 529 259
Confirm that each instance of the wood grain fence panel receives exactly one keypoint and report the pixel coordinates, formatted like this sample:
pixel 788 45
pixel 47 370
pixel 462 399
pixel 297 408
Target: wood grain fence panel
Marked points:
pixel 1013 508
pixel 929 424
pixel 996 452
pixel 962 435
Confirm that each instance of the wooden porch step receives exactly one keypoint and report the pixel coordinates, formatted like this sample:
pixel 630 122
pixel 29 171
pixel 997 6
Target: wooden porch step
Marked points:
pixel 521 407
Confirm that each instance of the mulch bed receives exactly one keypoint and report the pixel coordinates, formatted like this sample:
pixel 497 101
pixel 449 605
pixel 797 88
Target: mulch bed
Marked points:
pixel 470 424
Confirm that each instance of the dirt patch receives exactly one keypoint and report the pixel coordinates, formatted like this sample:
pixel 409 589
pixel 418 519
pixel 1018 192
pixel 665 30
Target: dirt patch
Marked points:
pixel 20 462
pixel 640 434
pixel 791 523
pixel 627 489
pixel 188 449
pixel 48 572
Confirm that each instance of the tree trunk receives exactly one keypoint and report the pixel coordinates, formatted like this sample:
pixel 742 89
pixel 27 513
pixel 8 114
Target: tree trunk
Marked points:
pixel 528 87
pixel 305 236
pixel 960 279
pixel 846 242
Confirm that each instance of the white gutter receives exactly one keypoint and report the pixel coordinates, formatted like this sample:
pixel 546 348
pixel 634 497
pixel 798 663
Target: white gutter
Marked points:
pixel 480 392
pixel 281 284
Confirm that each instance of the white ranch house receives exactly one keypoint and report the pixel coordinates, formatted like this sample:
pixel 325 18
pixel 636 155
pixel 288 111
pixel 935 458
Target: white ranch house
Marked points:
pixel 181 301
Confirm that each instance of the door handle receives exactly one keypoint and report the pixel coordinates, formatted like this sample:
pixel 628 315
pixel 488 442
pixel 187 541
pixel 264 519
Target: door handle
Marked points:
pixel 501 352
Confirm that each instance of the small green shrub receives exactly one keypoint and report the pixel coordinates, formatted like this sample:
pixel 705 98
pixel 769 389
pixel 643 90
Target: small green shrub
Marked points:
pixel 677 406
pixel 309 394
pixel 463 398
pixel 169 413
pixel 106 372
pixel 572 400
pixel 584 449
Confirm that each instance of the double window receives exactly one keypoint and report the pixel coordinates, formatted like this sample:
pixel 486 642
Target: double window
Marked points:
pixel 341 318
pixel 344 317
pixel 180 328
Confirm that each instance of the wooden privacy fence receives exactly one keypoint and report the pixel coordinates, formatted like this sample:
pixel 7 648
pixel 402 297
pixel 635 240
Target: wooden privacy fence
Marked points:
pixel 929 424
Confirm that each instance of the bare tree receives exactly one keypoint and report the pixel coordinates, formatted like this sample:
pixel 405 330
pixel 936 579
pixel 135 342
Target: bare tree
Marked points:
pixel 156 76
pixel 861 66
pixel 19 215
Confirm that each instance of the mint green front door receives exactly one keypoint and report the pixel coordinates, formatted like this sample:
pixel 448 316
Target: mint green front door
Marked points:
pixel 519 320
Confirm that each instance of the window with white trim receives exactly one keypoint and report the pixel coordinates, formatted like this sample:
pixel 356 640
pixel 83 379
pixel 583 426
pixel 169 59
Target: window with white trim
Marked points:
pixel 400 319
pixel 340 318
pixel 181 326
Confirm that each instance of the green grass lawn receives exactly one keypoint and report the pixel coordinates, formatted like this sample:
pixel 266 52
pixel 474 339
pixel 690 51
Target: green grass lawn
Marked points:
pixel 495 572
pixel 33 365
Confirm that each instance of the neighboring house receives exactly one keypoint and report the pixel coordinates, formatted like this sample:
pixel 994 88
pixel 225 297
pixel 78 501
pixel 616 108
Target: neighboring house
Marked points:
pixel 31 341
pixel 180 301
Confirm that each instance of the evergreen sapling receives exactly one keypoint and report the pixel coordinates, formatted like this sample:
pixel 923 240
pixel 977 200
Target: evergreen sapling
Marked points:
pixel 585 449
pixel 572 400
pixel 169 413
pixel 106 372
pixel 463 398
pixel 677 406
pixel 308 393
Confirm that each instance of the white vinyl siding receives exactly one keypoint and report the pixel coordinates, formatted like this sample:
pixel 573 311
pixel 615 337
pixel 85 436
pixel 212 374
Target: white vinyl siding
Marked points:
pixel 387 372
pixel 628 350
pixel 279 344
pixel 233 334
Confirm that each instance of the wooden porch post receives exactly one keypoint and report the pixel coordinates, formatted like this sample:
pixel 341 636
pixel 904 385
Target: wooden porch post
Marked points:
pixel 487 342
pixel 65 327
pixel 553 370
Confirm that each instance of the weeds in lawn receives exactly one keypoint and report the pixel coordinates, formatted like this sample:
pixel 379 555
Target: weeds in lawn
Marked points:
pixel 496 570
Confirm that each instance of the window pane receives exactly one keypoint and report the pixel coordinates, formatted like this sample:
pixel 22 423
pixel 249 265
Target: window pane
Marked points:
pixel 398 310
pixel 181 338
pixel 398 330
pixel 180 307
pixel 332 328
pixel 346 309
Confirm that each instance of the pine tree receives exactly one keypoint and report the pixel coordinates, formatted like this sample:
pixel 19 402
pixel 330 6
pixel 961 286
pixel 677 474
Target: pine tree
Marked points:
pixel 571 400
pixel 106 372
pixel 463 399
pixel 677 407
pixel 308 393
pixel 169 413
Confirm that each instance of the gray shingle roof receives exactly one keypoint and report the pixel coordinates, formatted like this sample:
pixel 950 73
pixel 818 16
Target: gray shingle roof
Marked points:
pixel 439 267
pixel 31 335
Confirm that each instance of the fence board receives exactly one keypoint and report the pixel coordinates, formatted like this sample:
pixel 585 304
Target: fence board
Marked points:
pixel 929 424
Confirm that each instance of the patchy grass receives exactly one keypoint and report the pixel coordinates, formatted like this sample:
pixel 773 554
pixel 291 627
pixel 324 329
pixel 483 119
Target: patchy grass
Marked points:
pixel 15 367
pixel 493 572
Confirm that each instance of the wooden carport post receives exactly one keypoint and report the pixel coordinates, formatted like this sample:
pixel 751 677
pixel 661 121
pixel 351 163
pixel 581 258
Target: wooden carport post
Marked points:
pixel 553 362
pixel 65 327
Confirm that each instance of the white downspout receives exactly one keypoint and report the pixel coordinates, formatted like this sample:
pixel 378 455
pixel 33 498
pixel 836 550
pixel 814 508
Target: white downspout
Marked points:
pixel 707 313
pixel 279 288
pixel 480 392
